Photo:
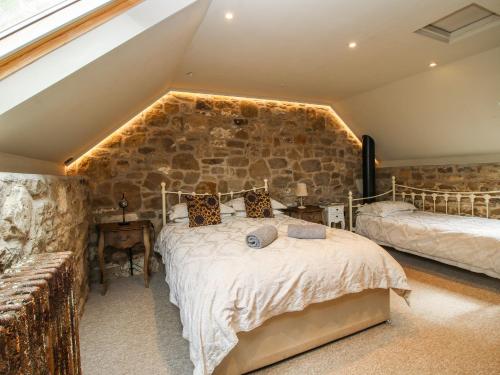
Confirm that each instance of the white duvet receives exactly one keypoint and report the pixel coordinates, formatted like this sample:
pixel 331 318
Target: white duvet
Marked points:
pixel 222 287
pixel 468 242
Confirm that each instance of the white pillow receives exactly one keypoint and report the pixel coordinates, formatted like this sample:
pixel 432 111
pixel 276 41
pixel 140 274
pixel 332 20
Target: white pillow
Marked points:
pixel 385 208
pixel 239 204
pixel 186 219
pixel 180 211
pixel 244 213
pixel 277 205
pixel 181 220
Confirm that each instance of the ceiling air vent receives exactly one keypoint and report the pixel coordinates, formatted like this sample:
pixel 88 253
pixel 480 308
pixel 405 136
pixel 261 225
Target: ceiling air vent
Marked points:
pixel 461 24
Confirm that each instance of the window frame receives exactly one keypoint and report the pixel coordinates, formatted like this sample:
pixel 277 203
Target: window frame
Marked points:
pixel 24 53
pixel 36 18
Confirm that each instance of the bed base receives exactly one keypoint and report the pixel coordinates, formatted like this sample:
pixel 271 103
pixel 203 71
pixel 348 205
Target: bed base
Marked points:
pixel 449 262
pixel 286 335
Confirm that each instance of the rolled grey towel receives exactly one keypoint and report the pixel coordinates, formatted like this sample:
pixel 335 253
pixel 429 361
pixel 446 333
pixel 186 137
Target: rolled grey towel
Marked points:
pixel 309 231
pixel 262 237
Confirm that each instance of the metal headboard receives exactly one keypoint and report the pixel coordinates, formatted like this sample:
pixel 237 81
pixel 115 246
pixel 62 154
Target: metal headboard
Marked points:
pixel 423 194
pixel 179 193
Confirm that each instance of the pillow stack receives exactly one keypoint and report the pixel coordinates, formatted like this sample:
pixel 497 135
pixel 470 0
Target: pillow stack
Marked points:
pixel 258 204
pixel 238 204
pixel 200 210
pixel 385 208
pixel 179 212
pixel 203 210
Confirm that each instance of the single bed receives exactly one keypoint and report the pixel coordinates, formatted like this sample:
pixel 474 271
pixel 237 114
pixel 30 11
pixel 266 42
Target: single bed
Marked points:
pixel 469 242
pixel 242 309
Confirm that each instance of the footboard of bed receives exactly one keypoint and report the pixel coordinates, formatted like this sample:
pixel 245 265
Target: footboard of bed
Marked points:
pixel 292 333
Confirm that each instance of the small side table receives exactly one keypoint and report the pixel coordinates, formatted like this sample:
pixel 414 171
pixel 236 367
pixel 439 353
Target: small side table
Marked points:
pixel 124 237
pixel 333 214
pixel 310 213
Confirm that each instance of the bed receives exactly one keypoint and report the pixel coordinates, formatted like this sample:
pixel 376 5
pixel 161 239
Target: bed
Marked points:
pixel 242 309
pixel 468 242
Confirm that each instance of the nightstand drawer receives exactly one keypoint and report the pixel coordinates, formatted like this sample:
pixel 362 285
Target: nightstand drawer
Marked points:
pixel 123 239
pixel 335 209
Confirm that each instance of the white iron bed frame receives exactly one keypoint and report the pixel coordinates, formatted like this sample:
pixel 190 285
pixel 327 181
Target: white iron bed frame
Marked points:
pixel 289 334
pixel 423 194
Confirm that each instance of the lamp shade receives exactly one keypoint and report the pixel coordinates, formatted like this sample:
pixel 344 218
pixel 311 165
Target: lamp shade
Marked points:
pixel 301 190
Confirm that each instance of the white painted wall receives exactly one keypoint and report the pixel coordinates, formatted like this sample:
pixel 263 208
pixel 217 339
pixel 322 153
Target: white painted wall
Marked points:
pixel 450 111
pixel 21 164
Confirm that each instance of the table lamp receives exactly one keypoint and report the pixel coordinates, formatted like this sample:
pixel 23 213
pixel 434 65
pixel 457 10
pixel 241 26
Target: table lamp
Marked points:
pixel 301 192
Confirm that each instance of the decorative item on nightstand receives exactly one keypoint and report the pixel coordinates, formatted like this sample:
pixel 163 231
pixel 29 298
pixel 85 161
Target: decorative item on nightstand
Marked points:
pixel 301 192
pixel 123 204
pixel 334 213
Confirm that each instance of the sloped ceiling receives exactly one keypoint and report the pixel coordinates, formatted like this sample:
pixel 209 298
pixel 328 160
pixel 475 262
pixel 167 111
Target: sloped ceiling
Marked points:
pixel 449 111
pixel 298 49
pixel 71 113
pixel 294 50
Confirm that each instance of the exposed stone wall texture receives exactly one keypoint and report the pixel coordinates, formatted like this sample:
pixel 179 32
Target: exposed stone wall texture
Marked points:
pixel 45 214
pixel 474 177
pixel 205 143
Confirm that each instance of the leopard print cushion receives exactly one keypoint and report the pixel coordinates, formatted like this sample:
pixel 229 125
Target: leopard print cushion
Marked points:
pixel 258 204
pixel 203 210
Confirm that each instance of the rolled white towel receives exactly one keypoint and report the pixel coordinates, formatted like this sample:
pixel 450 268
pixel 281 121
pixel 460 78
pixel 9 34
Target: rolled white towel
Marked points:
pixel 309 231
pixel 262 237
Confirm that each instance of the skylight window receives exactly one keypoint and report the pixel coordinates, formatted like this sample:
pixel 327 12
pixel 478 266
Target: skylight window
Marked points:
pixel 16 14
pixel 460 24
pixel 24 22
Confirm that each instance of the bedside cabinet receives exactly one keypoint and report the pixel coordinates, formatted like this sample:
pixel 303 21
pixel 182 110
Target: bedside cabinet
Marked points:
pixel 310 213
pixel 124 237
pixel 333 214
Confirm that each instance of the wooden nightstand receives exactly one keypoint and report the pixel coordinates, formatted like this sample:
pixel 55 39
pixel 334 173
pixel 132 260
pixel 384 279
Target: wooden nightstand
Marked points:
pixel 124 237
pixel 311 213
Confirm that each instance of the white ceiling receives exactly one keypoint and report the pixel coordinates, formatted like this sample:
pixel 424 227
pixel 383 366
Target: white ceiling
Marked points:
pixel 298 49
pixel 451 110
pixel 282 49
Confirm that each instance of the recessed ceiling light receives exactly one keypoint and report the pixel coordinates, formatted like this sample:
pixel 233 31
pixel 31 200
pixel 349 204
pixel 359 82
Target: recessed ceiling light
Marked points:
pixel 352 45
pixel 432 64
pixel 229 15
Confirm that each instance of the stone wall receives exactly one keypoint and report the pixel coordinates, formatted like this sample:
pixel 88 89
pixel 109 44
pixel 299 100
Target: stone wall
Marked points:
pixel 474 177
pixel 45 214
pixel 206 143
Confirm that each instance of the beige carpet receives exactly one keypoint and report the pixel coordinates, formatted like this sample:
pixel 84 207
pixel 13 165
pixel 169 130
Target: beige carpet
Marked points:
pixel 452 327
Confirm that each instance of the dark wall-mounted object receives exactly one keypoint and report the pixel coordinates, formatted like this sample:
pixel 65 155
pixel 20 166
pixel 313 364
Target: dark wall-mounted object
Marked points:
pixel 68 161
pixel 368 155
pixel 240 121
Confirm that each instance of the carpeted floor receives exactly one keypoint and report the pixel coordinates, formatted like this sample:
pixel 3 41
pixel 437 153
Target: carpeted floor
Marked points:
pixel 452 327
